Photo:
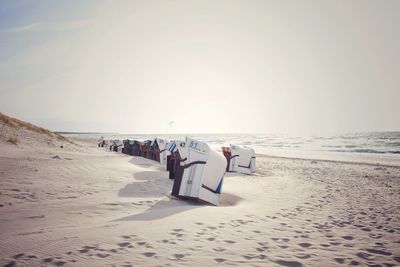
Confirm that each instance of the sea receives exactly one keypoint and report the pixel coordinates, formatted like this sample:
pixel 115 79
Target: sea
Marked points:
pixel 381 144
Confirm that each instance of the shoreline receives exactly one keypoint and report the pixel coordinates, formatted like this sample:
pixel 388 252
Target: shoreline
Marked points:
pixel 388 160
pixel 355 161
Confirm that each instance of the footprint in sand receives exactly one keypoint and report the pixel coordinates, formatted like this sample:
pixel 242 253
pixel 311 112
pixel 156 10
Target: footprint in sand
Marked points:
pixel 339 260
pixel 348 237
pixel 102 255
pixel 47 260
pixel 17 256
pixel 364 255
pixel 289 263
pixel 90 247
pixel 84 250
pixel 304 245
pixel 219 260
pixel 261 249
pixel 303 256
pixel 149 254
pixel 178 257
pixel 249 256
pixel 124 244
pixel 380 252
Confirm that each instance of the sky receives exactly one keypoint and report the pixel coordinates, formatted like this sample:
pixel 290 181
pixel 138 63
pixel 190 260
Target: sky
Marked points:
pixel 223 66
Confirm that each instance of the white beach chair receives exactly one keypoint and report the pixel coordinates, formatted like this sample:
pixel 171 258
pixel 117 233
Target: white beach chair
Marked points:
pixel 160 153
pixel 243 159
pixel 201 175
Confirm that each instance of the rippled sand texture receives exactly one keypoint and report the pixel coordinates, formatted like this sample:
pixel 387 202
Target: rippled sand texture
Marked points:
pixel 90 207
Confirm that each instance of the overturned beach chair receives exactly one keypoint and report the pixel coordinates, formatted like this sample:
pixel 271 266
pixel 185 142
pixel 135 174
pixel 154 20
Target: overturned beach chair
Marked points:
pixel 201 176
pixel 240 159
pixel 160 154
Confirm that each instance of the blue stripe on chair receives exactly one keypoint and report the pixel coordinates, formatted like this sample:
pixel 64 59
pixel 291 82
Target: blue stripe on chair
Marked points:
pixel 219 186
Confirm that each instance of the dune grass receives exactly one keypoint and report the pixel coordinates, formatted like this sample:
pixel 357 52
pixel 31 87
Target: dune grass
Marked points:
pixel 16 123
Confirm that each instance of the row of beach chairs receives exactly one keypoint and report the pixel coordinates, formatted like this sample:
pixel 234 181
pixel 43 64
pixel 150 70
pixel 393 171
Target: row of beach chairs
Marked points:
pixel 197 169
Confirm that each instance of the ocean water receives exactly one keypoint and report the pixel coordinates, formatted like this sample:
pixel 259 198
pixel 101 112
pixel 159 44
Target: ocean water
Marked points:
pixel 379 143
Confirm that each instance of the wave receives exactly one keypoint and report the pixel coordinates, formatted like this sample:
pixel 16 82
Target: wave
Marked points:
pixel 366 150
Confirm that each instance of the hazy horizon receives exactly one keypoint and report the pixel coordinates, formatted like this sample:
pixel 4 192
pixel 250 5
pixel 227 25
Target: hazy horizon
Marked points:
pixel 211 67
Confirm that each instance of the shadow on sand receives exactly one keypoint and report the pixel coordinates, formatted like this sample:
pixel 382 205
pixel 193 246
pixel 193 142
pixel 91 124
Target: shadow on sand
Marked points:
pixel 147 184
pixel 164 208
pixel 170 206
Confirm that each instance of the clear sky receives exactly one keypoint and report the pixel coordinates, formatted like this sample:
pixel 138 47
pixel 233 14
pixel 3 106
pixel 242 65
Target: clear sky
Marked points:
pixel 210 66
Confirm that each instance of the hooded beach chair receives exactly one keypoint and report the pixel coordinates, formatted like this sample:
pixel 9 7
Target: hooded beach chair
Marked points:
pixel 126 149
pixel 150 149
pixel 160 154
pixel 144 148
pixel 242 159
pixel 135 148
pixel 178 155
pixel 201 176
pixel 101 142
pixel 115 145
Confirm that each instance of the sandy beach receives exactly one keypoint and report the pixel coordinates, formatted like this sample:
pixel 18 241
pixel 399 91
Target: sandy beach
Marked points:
pixel 81 205
pixel 297 100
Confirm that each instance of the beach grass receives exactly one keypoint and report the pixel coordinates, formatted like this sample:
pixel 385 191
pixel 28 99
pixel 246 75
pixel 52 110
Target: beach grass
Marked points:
pixel 16 123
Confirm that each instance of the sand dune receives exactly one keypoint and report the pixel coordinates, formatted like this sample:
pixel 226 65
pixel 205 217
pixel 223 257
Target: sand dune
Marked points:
pixel 85 206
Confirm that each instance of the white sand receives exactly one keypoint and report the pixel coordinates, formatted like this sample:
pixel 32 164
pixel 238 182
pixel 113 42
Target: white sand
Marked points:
pixel 85 206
